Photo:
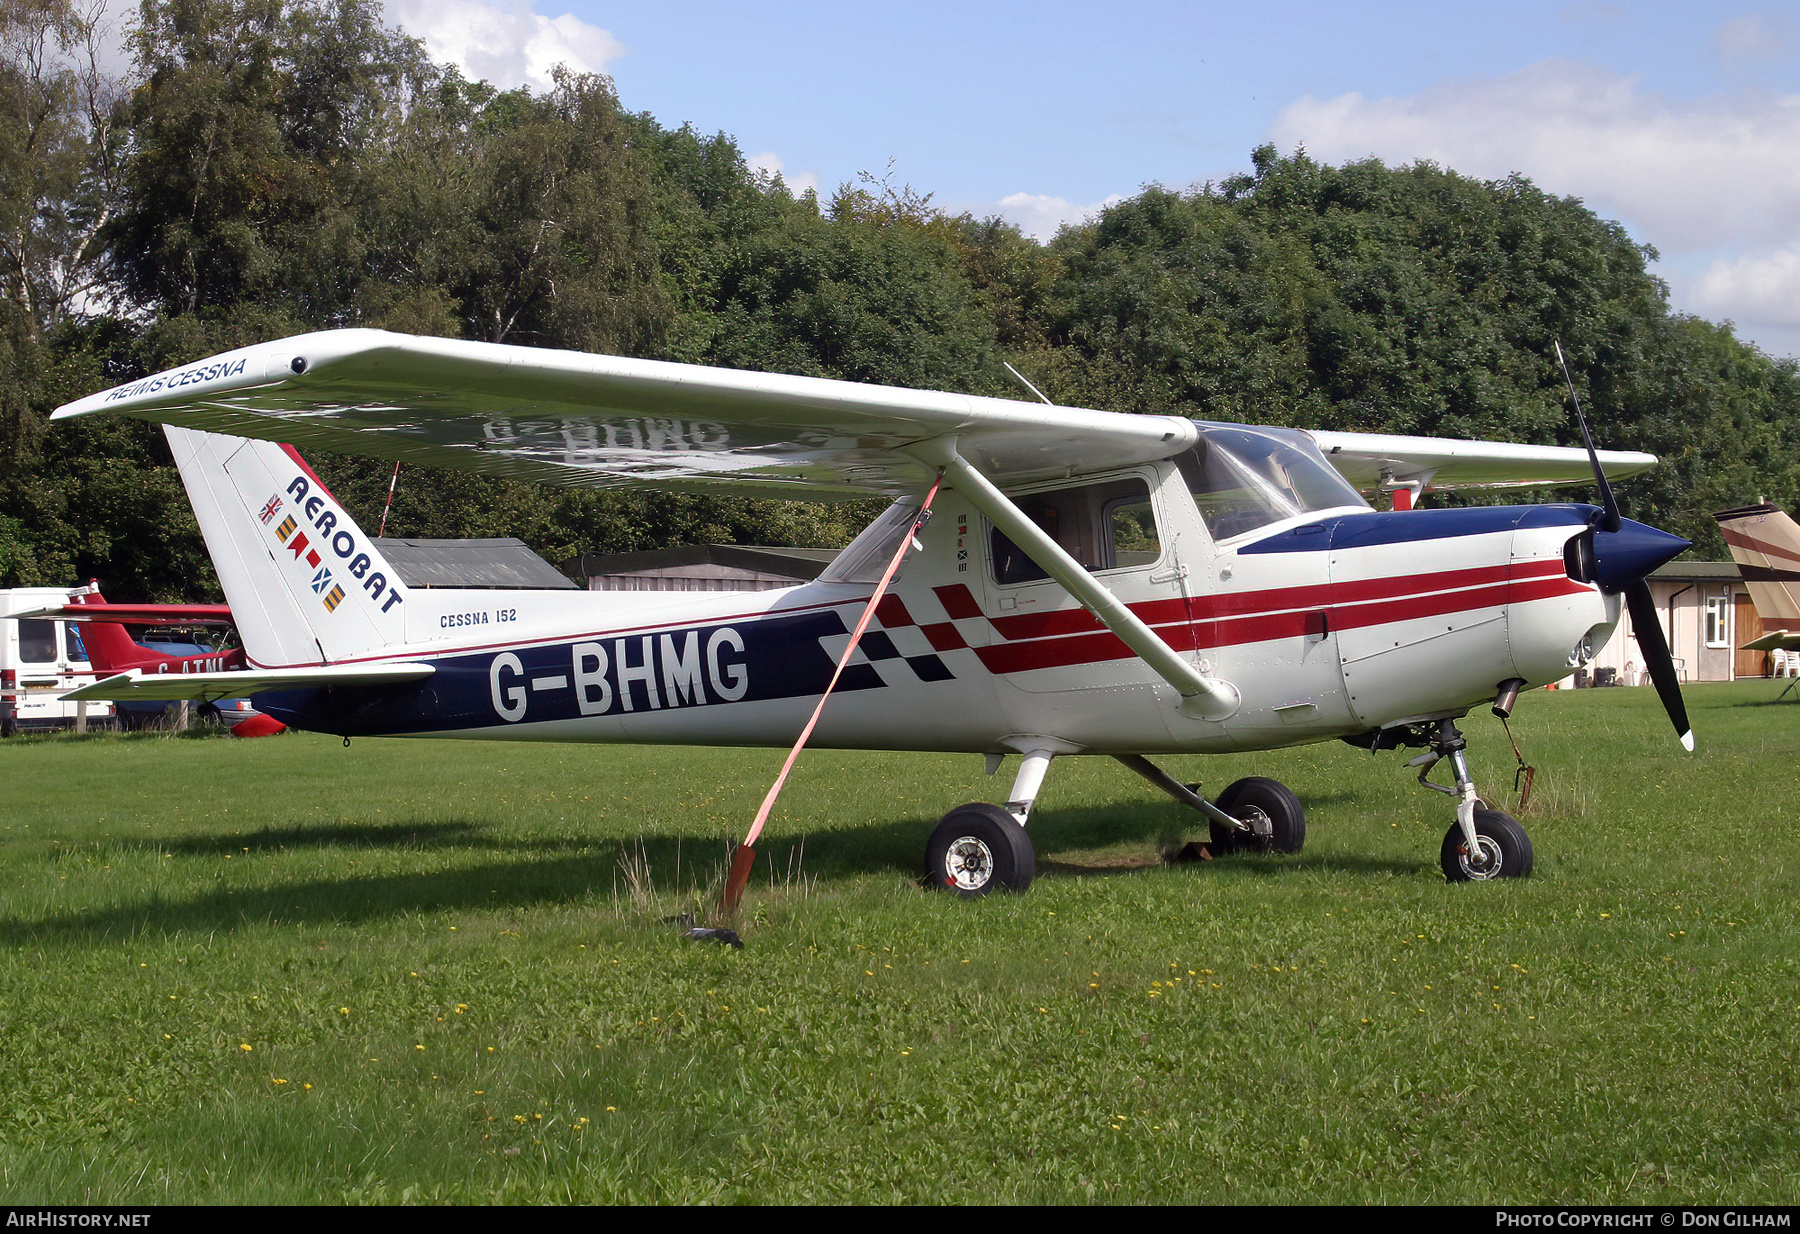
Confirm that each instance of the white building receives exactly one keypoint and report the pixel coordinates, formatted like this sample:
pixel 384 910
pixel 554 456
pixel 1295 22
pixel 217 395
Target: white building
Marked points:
pixel 1706 614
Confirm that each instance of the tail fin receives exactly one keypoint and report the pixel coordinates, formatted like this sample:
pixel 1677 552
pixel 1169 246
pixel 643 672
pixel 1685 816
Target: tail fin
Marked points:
pixel 305 584
pixel 110 647
pixel 1765 543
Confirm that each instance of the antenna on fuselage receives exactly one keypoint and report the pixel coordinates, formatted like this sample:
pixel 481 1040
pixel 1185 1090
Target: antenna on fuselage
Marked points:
pixel 1016 373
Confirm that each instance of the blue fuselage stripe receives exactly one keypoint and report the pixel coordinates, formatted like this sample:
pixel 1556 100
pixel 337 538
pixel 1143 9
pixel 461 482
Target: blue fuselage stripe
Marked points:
pixel 1347 531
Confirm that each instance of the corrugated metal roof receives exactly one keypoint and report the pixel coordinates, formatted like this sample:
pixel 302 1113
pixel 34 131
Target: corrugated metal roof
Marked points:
pixel 1696 570
pixel 499 562
pixel 795 563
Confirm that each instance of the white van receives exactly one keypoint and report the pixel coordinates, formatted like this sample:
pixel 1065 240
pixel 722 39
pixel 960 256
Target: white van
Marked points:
pixel 40 659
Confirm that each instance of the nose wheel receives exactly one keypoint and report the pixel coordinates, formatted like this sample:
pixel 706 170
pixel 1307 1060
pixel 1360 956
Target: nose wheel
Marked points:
pixel 1501 850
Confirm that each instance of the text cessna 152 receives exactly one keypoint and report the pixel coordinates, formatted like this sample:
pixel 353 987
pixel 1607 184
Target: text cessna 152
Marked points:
pixel 1088 582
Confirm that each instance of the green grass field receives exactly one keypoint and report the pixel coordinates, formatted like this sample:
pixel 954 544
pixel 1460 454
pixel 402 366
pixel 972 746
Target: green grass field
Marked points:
pixel 286 972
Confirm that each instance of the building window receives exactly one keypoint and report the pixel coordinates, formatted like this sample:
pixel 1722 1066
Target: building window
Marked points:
pixel 1718 621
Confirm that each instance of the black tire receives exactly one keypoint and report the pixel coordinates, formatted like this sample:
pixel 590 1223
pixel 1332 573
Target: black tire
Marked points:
pixel 1276 802
pixel 1507 847
pixel 979 848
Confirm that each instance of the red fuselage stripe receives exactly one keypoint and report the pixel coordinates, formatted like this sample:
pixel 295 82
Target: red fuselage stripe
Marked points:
pixel 1235 631
pixel 1255 603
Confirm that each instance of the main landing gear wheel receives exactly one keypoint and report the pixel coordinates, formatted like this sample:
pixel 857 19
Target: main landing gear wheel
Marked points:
pixel 1505 849
pixel 1277 820
pixel 979 848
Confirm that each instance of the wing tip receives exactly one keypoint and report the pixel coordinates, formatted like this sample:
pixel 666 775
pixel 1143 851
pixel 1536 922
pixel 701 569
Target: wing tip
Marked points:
pixel 1687 741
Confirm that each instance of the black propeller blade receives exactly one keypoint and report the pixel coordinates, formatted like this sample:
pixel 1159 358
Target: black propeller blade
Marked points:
pixel 1610 503
pixel 1624 553
pixel 1647 626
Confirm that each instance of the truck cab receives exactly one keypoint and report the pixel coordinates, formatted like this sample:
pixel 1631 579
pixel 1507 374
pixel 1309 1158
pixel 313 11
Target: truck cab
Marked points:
pixel 41 658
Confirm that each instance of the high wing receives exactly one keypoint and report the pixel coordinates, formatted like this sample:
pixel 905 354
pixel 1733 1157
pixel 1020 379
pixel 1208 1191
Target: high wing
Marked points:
pixel 137 684
pixel 138 614
pixel 569 418
pixel 1369 460
pixel 1774 640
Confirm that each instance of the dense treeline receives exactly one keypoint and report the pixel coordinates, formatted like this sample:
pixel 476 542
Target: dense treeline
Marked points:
pixel 275 166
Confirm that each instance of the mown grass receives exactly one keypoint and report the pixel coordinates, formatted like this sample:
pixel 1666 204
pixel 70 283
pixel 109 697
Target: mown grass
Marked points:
pixel 285 972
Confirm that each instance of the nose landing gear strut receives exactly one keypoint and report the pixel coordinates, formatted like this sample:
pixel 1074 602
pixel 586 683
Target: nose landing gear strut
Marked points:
pixel 1482 843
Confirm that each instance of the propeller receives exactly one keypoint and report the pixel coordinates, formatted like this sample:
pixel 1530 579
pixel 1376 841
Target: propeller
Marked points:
pixel 1625 552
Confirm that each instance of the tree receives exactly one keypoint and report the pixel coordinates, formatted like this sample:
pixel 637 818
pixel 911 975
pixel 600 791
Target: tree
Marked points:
pixel 59 147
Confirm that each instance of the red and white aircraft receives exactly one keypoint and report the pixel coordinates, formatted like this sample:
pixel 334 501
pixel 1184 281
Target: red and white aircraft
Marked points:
pixel 1088 582
pixel 112 650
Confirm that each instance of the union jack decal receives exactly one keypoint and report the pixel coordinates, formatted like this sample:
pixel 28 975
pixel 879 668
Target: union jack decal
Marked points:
pixel 269 511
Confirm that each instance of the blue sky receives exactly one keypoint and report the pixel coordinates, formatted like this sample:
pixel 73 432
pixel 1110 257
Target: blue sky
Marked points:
pixel 1680 120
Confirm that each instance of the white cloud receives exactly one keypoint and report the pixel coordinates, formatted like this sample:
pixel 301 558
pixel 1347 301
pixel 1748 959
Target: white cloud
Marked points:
pixel 1688 176
pixel 1712 183
pixel 1754 36
pixel 505 43
pixel 1762 287
pixel 1039 215
pixel 770 164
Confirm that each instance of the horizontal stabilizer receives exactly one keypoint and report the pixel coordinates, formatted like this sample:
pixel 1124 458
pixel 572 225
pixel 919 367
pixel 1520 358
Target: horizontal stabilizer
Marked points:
pixel 206 687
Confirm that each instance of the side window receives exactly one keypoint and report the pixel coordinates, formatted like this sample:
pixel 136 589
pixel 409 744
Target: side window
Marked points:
pixel 1106 526
pixel 77 649
pixel 1131 525
pixel 37 642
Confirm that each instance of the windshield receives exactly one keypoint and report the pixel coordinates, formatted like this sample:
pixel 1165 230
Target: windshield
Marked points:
pixel 1245 478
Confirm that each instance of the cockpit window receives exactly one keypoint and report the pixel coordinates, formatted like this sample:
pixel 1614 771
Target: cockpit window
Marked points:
pixel 1244 478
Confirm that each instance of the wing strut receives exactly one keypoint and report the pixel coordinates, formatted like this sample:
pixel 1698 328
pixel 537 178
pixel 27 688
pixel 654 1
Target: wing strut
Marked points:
pixel 1202 697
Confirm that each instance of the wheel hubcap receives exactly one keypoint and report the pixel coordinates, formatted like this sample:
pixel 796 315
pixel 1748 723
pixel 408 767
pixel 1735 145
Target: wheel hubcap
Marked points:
pixel 969 864
pixel 1261 832
pixel 1484 863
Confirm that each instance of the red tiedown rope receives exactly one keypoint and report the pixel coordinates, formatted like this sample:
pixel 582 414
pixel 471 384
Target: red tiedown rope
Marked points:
pixel 745 855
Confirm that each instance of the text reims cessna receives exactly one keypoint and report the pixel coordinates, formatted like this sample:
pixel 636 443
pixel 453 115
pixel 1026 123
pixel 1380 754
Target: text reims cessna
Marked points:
pixel 1088 582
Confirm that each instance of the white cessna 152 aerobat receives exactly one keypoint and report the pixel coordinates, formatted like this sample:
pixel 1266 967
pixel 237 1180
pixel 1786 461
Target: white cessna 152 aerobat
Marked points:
pixel 1088 582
